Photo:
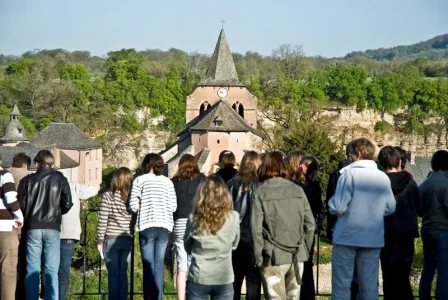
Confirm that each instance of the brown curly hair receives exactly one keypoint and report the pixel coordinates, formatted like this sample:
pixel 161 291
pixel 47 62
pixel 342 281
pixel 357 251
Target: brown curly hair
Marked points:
pixel 213 205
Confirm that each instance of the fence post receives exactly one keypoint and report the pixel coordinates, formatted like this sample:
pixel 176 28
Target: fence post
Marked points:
pixel 132 267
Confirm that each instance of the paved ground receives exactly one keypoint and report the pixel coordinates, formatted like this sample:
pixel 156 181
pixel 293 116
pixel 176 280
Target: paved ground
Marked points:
pixel 324 280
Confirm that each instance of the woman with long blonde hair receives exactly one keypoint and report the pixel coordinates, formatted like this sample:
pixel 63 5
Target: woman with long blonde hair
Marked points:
pixel 115 233
pixel 186 182
pixel 241 189
pixel 212 233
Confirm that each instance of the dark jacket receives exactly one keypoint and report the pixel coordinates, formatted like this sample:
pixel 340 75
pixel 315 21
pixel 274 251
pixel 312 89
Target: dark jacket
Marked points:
pixel 434 209
pixel 44 197
pixel 227 173
pixel 404 220
pixel 313 193
pixel 185 192
pixel 331 189
pixel 282 223
pixel 242 203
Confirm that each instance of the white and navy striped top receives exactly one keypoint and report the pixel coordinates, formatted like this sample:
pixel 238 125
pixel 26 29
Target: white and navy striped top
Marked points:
pixel 113 218
pixel 9 206
pixel 154 200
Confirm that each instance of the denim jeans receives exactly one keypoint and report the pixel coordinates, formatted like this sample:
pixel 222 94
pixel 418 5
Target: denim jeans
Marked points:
pixel 153 243
pixel 116 252
pixel 435 257
pixel 42 243
pixel 196 291
pixel 67 249
pixel 367 267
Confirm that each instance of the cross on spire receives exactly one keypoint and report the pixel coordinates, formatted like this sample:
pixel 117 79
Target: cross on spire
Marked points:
pixel 222 23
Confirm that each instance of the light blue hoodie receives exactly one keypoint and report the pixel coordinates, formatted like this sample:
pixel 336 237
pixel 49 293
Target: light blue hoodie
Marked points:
pixel 363 197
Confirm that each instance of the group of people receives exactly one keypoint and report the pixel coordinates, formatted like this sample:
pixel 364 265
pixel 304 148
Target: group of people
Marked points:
pixel 253 220
pixel 39 226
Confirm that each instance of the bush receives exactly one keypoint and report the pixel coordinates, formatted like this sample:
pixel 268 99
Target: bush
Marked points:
pixel 383 126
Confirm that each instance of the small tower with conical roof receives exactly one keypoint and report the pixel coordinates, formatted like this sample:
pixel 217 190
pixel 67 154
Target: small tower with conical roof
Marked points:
pixel 14 131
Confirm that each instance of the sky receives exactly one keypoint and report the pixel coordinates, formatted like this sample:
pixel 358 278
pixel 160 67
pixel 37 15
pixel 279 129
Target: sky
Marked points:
pixel 323 27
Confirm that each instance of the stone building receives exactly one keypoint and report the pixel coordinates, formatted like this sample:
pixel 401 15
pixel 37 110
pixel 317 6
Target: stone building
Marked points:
pixel 76 155
pixel 221 114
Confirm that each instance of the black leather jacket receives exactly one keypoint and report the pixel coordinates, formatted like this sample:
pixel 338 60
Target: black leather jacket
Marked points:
pixel 44 197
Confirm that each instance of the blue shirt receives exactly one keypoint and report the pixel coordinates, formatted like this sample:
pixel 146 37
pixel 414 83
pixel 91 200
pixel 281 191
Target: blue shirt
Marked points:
pixel 363 197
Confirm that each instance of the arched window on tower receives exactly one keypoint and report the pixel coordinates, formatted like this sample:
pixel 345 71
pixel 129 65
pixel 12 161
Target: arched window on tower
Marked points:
pixel 239 108
pixel 204 107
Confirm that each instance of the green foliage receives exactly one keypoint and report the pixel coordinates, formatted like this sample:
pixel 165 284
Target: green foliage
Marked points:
pixel 131 124
pixel 383 126
pixel 347 84
pixel 314 139
pixel 20 66
pixel 30 129
pixel 44 122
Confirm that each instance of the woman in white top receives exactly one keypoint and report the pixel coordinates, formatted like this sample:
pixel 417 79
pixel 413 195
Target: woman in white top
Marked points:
pixel 153 198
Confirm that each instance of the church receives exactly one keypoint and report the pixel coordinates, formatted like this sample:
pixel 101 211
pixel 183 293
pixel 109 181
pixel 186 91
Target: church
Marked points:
pixel 221 114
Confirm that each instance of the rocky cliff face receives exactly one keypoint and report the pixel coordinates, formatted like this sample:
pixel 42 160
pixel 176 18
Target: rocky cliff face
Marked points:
pixel 348 124
pixel 128 151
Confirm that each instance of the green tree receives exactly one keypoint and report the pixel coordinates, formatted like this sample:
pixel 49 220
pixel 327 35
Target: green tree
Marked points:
pixel 347 84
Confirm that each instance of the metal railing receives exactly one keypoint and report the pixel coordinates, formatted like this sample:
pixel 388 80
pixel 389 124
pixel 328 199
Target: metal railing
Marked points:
pixel 101 290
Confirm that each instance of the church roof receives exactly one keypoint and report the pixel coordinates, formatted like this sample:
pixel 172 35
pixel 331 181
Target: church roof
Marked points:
pixel 14 130
pixel 8 153
pixel 64 136
pixel 222 71
pixel 222 118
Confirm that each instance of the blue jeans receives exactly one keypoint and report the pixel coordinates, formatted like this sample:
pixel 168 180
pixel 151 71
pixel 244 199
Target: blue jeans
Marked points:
pixel 67 249
pixel 196 291
pixel 153 243
pixel 435 256
pixel 367 267
pixel 42 243
pixel 116 252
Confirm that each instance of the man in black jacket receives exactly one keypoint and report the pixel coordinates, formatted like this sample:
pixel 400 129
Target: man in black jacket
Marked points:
pixel 44 197
pixel 400 228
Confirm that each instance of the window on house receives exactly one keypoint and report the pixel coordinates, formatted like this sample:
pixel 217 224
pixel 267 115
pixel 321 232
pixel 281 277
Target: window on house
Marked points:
pixel 97 174
pixel 218 141
pixel 90 174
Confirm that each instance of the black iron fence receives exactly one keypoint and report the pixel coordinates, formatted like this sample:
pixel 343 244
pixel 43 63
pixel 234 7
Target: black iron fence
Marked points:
pixel 85 268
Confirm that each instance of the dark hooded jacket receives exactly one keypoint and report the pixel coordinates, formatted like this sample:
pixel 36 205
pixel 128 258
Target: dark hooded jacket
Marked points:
pixel 404 220
pixel 331 189
pixel 227 173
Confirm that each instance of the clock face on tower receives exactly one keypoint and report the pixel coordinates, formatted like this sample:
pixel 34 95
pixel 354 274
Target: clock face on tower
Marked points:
pixel 222 92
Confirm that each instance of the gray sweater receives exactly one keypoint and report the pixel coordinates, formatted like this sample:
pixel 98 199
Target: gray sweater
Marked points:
pixel 211 255
pixel 434 199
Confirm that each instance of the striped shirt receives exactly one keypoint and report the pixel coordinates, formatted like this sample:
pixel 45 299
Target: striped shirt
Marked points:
pixel 9 206
pixel 113 218
pixel 154 200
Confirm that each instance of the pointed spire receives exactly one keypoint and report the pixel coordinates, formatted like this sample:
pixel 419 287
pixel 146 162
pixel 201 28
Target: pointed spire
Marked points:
pixel 15 111
pixel 222 69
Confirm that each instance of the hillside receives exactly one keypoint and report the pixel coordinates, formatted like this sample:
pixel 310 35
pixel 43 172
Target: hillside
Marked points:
pixel 434 49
